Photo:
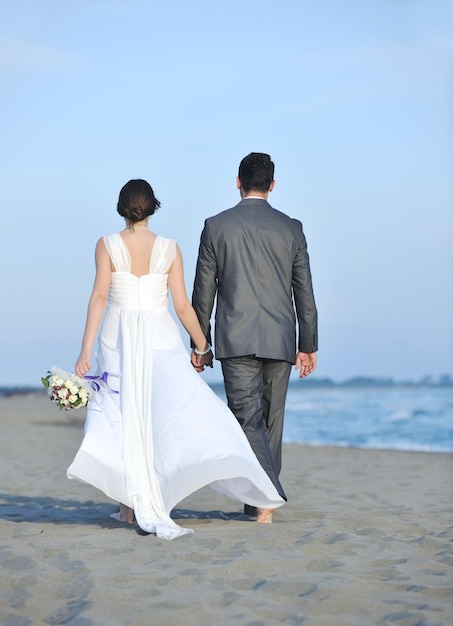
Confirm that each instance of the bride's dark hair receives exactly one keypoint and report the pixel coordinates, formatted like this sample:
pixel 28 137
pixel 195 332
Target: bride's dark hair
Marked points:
pixel 137 201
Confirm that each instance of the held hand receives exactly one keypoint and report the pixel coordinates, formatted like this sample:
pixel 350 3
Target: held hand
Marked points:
pixel 83 364
pixel 193 360
pixel 306 362
pixel 200 361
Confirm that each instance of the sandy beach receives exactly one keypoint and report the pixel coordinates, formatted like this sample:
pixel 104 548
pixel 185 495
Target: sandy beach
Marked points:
pixel 365 539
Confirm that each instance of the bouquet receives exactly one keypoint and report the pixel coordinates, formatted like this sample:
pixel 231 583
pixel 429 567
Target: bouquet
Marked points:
pixel 68 391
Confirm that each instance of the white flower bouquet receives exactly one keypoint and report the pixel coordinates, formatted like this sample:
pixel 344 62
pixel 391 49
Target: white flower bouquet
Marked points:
pixel 68 391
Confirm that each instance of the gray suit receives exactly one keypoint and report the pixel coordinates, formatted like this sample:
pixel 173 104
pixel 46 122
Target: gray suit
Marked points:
pixel 254 259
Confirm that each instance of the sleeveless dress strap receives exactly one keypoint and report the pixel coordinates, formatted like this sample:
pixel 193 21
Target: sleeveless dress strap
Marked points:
pixel 163 255
pixel 118 252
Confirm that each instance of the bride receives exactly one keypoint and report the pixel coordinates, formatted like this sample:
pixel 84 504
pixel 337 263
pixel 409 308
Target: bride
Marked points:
pixel 155 432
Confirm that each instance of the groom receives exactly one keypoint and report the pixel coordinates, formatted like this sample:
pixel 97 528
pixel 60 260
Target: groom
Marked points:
pixel 254 259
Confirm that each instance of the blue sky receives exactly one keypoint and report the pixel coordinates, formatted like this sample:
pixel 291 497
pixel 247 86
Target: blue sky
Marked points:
pixel 352 99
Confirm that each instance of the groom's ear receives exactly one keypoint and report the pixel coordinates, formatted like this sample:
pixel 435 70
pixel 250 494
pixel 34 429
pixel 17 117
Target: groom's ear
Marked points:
pixel 238 182
pixel 271 186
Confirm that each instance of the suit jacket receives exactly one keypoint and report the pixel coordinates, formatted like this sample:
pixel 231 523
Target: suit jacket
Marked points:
pixel 254 259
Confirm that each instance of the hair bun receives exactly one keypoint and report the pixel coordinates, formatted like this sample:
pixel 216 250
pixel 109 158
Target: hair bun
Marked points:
pixel 137 201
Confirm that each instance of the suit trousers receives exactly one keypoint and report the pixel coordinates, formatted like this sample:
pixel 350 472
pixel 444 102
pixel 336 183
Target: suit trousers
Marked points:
pixel 256 392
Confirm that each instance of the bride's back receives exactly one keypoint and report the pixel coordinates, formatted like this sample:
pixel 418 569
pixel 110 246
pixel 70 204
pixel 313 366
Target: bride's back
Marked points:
pixel 140 244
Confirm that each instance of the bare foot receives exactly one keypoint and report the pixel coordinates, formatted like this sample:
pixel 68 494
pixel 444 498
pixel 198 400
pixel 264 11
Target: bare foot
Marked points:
pixel 264 516
pixel 125 515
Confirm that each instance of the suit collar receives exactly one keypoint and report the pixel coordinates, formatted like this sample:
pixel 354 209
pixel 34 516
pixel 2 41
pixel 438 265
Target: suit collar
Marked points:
pixel 256 202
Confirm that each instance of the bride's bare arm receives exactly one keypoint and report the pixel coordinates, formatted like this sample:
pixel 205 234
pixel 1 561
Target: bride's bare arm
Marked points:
pixel 96 307
pixel 183 308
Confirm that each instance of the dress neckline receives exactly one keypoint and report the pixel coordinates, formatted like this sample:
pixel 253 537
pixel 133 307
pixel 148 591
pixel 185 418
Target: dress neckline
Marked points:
pixel 130 259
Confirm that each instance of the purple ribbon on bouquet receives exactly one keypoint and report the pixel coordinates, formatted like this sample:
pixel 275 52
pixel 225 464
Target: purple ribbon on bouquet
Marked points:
pixel 102 379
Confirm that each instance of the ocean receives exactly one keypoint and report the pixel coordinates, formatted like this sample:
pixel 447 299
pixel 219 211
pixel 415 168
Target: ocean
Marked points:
pixel 383 416
pixel 418 418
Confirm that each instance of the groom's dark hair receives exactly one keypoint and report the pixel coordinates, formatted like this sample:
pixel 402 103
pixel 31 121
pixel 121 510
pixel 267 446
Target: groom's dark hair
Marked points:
pixel 256 172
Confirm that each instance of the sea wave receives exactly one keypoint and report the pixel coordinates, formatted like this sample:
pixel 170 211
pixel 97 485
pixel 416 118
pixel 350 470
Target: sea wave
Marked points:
pixel 408 419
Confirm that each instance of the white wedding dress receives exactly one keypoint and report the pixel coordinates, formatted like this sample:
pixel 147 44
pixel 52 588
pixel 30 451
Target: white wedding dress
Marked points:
pixel 165 434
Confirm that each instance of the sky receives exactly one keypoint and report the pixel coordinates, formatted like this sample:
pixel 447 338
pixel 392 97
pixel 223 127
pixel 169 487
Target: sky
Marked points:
pixel 352 99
